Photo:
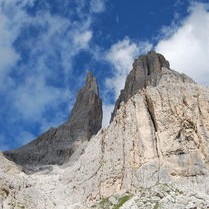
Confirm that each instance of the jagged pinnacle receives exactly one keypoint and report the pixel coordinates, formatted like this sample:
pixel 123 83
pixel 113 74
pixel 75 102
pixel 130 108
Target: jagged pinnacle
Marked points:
pixel 86 115
pixel 91 83
pixel 58 144
pixel 147 71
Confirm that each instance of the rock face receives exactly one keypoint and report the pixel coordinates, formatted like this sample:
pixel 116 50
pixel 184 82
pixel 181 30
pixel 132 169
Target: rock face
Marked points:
pixel 154 154
pixel 166 196
pixel 86 117
pixel 147 71
pixel 160 135
pixel 57 145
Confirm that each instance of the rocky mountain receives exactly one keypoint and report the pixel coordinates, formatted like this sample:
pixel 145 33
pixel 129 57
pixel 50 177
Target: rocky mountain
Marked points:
pixel 58 145
pixel 146 72
pixel 154 154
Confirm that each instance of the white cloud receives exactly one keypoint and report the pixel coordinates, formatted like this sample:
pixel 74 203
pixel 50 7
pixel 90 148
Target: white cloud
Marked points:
pixel 82 39
pixel 59 40
pixel 187 49
pixel 121 55
pixel 22 138
pixel 31 98
pixel 185 46
pixel 107 110
pixel 8 55
pixel 12 18
pixel 25 137
pixel 97 6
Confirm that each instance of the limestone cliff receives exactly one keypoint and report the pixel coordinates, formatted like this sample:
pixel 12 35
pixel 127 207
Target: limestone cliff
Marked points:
pixel 147 71
pixel 154 154
pixel 57 145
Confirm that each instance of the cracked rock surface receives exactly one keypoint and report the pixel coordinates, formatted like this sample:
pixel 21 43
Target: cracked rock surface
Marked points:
pixel 155 152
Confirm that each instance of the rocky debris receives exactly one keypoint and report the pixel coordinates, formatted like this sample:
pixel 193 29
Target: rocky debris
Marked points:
pixel 166 196
pixel 57 145
pixel 160 135
pixel 147 71
pixel 154 154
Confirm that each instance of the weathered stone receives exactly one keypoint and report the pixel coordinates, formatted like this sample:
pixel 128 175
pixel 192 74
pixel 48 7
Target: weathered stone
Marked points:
pixel 57 145
pixel 147 71
pixel 86 117
pixel 171 197
pixel 156 151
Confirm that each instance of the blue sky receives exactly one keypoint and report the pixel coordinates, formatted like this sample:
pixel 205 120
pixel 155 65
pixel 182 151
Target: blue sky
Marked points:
pixel 47 46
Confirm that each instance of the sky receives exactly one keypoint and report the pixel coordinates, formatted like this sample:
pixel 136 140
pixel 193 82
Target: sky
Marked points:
pixel 47 47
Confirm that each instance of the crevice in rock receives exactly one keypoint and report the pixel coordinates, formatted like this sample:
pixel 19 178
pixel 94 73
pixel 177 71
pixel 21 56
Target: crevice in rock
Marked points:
pixel 150 110
pixel 102 158
pixel 137 133
pixel 194 135
pixel 94 174
pixel 123 161
pixel 201 148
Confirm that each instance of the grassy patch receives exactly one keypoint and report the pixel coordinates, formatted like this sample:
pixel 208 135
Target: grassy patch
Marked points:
pixel 121 201
pixel 105 203
pixel 156 205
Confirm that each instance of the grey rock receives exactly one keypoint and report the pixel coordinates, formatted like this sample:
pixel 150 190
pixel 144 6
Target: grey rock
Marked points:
pixel 147 71
pixel 86 117
pixel 166 196
pixel 57 145
pixel 155 152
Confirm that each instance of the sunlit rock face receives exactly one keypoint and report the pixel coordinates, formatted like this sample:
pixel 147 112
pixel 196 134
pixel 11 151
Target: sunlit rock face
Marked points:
pixel 154 154
pixel 146 71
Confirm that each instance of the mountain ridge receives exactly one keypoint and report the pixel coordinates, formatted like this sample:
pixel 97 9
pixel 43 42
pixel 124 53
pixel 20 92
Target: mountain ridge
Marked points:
pixel 57 145
pixel 147 71
pixel 154 154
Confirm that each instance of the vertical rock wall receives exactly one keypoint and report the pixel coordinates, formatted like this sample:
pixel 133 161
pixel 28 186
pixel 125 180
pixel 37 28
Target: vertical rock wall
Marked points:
pixel 57 145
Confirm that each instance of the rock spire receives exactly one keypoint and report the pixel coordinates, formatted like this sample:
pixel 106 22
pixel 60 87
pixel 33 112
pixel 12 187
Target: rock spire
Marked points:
pixel 86 116
pixel 154 154
pixel 57 145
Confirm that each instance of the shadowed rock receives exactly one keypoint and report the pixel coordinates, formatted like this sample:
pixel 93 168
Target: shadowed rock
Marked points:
pixel 86 117
pixel 57 145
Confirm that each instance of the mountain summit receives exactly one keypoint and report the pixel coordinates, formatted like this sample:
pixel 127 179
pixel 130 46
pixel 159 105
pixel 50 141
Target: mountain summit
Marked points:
pixel 147 71
pixel 154 154
pixel 86 116
pixel 57 145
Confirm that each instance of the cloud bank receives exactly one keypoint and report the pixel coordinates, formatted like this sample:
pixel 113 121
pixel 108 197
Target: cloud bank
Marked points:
pixel 120 56
pixel 185 45
pixel 38 46
pixel 187 48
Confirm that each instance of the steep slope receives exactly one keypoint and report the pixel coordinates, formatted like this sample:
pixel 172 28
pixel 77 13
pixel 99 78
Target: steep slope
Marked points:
pixel 161 135
pixel 154 154
pixel 57 145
